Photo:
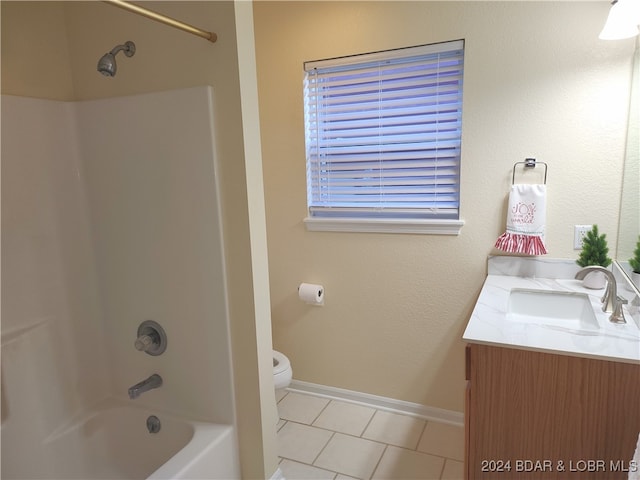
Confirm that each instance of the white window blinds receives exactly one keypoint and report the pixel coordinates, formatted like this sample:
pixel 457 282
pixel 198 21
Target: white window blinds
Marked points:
pixel 383 133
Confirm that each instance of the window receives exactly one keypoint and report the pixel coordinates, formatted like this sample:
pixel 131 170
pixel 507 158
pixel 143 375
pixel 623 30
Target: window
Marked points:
pixel 383 135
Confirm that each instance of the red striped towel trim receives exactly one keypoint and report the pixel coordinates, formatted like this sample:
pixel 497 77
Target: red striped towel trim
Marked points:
pixel 517 243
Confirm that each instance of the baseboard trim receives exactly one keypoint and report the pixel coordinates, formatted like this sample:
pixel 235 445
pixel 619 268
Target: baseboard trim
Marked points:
pixel 383 403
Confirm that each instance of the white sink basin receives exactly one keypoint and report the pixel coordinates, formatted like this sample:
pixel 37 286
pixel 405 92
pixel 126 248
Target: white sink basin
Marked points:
pixel 569 310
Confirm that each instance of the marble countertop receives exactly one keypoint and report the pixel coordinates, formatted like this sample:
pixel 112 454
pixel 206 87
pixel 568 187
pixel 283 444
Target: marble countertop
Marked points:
pixel 489 324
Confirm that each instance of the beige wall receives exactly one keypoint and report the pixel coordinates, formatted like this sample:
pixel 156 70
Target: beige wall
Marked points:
pixel 35 51
pixel 50 50
pixel 538 82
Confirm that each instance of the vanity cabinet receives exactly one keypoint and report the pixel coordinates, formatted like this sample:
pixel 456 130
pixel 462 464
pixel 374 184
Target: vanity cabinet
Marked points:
pixel 532 415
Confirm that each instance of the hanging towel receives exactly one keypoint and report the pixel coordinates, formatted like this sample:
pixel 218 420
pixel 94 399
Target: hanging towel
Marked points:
pixel 525 220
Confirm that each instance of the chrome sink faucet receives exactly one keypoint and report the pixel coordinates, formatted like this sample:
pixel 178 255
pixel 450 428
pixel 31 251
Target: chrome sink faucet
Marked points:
pixel 154 381
pixel 611 302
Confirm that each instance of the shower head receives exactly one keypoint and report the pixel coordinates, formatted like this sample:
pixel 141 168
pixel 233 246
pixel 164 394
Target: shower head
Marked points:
pixel 107 64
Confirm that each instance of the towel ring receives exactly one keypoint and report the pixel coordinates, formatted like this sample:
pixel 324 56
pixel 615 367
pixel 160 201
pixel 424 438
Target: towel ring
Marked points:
pixel 529 163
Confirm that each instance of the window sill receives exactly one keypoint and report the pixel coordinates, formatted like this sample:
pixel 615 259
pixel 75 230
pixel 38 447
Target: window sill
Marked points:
pixel 426 227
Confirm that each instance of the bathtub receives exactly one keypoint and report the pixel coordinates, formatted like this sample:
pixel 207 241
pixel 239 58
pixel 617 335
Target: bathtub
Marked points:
pixel 115 443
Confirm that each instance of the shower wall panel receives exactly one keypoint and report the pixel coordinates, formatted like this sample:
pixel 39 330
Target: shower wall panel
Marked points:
pixel 53 359
pixel 151 180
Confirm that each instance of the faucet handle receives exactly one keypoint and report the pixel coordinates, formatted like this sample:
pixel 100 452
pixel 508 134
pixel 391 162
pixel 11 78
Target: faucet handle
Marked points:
pixel 151 338
pixel 609 297
pixel 143 342
pixel 618 313
pixel 607 293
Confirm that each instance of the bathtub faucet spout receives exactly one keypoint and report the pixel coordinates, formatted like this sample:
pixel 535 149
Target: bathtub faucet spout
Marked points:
pixel 154 381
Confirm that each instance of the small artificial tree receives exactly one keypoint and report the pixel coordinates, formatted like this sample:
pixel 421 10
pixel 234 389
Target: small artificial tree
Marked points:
pixel 594 249
pixel 635 261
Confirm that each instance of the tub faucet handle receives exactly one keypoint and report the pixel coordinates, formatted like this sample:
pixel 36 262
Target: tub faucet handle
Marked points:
pixel 143 342
pixel 151 338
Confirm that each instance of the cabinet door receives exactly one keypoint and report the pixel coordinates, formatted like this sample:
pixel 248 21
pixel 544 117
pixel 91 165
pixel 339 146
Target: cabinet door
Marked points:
pixel 467 413
pixel 543 416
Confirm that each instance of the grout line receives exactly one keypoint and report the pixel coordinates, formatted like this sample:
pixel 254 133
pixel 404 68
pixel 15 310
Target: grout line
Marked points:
pixel 322 450
pixel 369 423
pixel 435 455
pixel 281 426
pixel 320 413
pixel 380 442
pixel 315 426
pixel 424 429
pixel 335 474
pixel 283 396
pixel 379 460
pixel 444 464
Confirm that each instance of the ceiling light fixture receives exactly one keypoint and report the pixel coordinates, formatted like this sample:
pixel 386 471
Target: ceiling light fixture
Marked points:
pixel 623 20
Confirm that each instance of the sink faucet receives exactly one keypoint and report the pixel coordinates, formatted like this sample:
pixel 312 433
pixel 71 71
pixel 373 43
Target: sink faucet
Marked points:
pixel 611 302
pixel 154 381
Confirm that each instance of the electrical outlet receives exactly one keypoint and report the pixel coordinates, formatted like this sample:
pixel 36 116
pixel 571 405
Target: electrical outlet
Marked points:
pixel 579 232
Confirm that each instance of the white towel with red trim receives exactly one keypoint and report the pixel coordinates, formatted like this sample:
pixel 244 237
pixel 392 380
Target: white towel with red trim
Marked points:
pixel 526 217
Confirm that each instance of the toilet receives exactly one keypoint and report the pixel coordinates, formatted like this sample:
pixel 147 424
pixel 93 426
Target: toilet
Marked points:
pixel 282 374
pixel 282 371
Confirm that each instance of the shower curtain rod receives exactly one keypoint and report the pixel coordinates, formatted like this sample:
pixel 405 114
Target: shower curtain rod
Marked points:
pixel 212 37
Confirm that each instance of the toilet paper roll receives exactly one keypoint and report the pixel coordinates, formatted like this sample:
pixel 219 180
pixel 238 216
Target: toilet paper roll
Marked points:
pixel 311 293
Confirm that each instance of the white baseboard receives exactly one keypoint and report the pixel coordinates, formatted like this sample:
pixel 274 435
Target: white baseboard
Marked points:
pixel 383 403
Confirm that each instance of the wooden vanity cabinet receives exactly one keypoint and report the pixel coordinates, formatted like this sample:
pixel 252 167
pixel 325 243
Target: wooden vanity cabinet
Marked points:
pixel 532 415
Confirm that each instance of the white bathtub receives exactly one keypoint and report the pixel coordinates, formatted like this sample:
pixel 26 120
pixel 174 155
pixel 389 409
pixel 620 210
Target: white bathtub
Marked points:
pixel 114 443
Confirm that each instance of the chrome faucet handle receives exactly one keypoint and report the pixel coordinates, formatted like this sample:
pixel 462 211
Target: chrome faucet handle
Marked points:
pixel 607 293
pixel 610 295
pixel 151 338
pixel 143 342
pixel 608 299
pixel 618 313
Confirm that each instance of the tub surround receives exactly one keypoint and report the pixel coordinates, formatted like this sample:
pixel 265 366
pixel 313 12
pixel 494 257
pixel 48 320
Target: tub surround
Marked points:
pixel 488 324
pixel 106 233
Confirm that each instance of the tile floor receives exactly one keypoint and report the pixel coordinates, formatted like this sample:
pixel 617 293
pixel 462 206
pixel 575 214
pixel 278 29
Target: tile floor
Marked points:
pixel 319 438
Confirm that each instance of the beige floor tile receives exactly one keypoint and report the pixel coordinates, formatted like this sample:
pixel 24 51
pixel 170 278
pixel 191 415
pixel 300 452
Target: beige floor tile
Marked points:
pixel 345 418
pixel 395 429
pixel 399 463
pixel 301 408
pixel 301 442
pixel 443 439
pixel 351 456
pixel 344 477
pixel 299 471
pixel 453 470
